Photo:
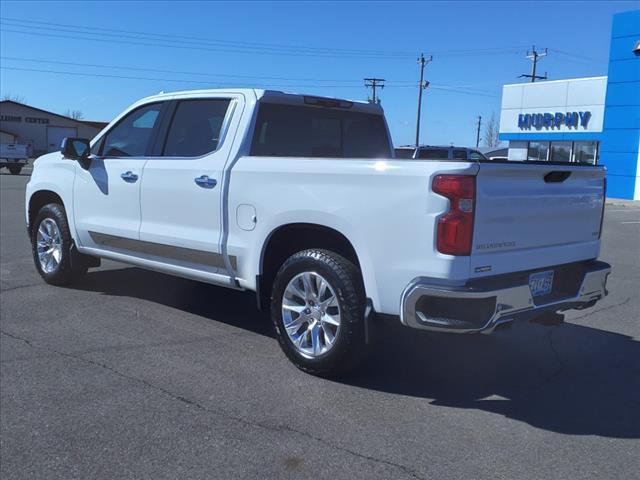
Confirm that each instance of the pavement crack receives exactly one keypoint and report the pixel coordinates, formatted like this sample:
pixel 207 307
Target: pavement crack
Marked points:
pixel 603 309
pixel 18 287
pixel 244 421
pixel 15 337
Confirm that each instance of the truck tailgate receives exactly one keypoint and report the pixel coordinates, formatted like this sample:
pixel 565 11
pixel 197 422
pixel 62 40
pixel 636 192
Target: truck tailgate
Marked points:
pixel 530 216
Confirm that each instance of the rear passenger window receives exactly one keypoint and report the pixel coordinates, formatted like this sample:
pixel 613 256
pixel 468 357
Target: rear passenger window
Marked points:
pixel 195 128
pixel 459 154
pixel 434 154
pixel 404 152
pixel 301 131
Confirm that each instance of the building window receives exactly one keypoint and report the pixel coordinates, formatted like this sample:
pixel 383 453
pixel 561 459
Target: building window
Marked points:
pixel 538 151
pixel 560 152
pixel 577 152
pixel 585 152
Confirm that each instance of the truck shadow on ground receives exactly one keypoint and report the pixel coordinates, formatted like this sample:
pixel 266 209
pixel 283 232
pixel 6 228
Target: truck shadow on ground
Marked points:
pixel 569 379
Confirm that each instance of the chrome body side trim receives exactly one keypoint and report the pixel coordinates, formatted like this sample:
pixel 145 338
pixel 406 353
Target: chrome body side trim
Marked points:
pixel 511 302
pixel 170 252
pixel 220 279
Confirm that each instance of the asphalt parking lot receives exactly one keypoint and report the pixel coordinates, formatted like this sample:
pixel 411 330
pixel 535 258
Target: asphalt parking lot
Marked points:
pixel 134 374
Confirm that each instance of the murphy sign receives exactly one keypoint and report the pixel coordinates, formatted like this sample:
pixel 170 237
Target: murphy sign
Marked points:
pixel 553 120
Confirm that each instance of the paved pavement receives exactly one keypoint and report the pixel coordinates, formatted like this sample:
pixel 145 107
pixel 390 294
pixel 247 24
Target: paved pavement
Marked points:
pixel 134 374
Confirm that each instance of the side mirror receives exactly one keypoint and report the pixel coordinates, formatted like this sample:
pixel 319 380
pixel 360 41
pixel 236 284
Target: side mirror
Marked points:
pixel 76 148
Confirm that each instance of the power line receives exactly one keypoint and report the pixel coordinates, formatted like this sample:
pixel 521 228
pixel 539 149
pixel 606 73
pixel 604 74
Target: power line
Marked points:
pixel 582 57
pixel 395 83
pixel 177 80
pixel 158 70
pixel 343 83
pixel 218 84
pixel 447 88
pixel 192 47
pixel 204 44
pixel 93 29
pixel 75 32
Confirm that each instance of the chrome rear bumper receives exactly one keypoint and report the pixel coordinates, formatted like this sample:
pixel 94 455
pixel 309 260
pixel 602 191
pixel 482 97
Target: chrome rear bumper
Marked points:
pixel 482 307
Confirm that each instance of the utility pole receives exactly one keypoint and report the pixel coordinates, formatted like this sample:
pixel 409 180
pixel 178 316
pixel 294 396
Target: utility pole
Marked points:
pixel 534 56
pixel 422 61
pixel 374 83
pixel 478 131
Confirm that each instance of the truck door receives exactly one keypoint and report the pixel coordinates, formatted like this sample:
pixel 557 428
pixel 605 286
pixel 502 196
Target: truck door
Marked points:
pixel 182 186
pixel 107 193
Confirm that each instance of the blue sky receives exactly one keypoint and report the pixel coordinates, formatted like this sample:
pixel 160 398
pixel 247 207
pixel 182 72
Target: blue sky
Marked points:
pixel 323 48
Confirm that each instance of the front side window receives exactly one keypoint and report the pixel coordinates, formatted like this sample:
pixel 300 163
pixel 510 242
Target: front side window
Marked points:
pixel 459 154
pixel 585 152
pixel 305 131
pixel 97 146
pixel 538 151
pixel 196 127
pixel 560 152
pixel 434 154
pixel 131 136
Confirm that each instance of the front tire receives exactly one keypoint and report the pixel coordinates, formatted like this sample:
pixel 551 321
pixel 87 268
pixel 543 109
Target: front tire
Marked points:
pixel 317 307
pixel 52 247
pixel 14 169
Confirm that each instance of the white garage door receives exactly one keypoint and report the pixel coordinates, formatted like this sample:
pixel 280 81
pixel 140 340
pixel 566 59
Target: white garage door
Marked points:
pixel 55 135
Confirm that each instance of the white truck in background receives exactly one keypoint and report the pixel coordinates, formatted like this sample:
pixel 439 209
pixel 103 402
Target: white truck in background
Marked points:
pixel 13 156
pixel 299 199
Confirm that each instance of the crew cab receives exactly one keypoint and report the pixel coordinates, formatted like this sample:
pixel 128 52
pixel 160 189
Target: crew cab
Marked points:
pixel 300 199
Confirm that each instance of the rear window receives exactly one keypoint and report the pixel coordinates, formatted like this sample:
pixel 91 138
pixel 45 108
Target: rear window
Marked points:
pixel 434 153
pixel 300 131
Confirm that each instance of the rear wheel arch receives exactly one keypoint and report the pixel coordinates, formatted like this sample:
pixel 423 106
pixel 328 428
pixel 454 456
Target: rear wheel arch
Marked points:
pixel 291 238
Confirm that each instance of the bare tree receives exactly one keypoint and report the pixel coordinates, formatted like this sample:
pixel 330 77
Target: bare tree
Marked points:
pixel 12 97
pixel 75 114
pixel 491 132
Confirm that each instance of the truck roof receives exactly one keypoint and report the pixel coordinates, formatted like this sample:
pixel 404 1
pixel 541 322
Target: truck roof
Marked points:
pixel 274 96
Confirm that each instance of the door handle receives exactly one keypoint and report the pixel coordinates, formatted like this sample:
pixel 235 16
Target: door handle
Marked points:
pixel 129 176
pixel 205 182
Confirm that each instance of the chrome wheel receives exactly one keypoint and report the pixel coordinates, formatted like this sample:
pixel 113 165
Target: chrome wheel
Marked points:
pixel 49 245
pixel 311 314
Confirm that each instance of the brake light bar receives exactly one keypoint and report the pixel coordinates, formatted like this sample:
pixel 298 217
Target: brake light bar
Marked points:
pixel 454 233
pixel 327 102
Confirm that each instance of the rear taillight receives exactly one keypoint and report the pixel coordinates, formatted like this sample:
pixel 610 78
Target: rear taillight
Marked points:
pixel 455 228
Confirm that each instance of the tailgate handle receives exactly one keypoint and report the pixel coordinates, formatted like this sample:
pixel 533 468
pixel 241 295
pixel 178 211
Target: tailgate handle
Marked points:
pixel 557 176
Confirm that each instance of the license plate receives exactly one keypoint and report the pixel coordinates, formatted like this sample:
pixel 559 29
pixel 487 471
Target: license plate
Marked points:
pixel 541 283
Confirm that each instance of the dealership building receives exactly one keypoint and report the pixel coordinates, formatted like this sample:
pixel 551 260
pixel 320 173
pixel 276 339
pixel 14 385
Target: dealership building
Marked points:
pixel 594 120
pixel 40 130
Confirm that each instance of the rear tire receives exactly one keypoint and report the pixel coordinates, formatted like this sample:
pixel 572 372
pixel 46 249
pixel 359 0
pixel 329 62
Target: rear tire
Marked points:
pixel 321 326
pixel 53 250
pixel 14 169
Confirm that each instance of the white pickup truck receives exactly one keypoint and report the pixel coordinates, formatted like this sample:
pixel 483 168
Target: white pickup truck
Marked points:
pixel 299 199
pixel 14 157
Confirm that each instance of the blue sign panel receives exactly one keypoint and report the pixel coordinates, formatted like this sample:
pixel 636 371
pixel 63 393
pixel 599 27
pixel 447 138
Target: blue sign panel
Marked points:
pixel 553 120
